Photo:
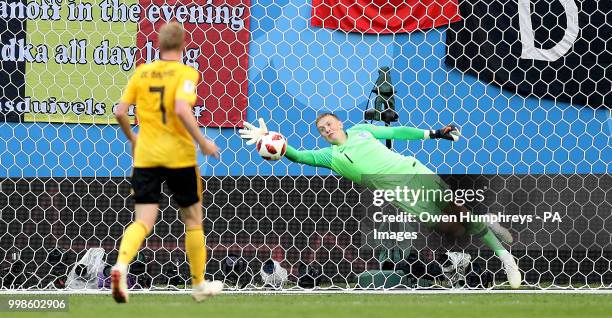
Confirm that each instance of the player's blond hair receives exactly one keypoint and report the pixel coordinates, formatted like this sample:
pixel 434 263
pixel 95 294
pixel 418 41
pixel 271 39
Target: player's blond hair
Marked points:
pixel 321 116
pixel 171 37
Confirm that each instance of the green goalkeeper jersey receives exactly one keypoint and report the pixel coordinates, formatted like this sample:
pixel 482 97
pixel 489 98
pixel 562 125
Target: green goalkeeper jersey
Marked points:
pixel 364 155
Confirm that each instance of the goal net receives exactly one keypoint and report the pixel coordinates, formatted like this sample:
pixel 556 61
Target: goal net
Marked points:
pixel 527 82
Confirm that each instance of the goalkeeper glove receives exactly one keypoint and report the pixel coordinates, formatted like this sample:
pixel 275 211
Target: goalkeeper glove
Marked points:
pixel 252 133
pixel 450 132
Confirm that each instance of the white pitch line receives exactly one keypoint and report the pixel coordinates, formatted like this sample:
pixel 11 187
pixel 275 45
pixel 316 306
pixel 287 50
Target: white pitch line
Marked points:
pixel 320 292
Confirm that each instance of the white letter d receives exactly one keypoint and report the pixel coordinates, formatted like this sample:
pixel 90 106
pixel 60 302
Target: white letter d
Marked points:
pixel 527 34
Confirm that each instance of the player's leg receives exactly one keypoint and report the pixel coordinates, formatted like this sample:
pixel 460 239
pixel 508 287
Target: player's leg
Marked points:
pixel 146 184
pixel 487 236
pixel 501 232
pixel 426 207
pixel 146 215
pixel 196 253
pixel 487 232
pixel 429 182
pixel 186 185
pixel 452 230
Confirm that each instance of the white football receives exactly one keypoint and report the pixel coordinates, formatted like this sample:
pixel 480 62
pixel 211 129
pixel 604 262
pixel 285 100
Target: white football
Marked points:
pixel 273 274
pixel 272 146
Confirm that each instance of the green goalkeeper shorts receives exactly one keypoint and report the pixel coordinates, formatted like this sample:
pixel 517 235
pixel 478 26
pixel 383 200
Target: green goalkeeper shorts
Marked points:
pixel 430 200
pixel 417 177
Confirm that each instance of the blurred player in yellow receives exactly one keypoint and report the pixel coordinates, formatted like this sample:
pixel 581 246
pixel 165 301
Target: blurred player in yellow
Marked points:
pixel 164 93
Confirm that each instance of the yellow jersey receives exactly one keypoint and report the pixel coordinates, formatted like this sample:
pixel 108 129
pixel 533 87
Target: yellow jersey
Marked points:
pixel 163 141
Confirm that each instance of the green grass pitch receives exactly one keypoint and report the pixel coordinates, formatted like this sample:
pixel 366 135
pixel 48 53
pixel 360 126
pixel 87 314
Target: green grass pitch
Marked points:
pixel 339 305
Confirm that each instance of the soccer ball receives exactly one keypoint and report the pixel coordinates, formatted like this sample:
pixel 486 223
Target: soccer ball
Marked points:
pixel 272 146
pixel 273 274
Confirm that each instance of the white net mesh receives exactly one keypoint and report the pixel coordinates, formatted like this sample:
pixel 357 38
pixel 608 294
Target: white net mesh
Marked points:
pixel 65 171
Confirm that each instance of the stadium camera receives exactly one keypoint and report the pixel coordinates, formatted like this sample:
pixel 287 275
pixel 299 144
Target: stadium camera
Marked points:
pixel 384 103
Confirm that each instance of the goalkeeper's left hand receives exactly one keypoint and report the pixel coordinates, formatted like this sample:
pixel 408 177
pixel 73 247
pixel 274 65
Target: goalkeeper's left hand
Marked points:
pixel 252 133
pixel 450 132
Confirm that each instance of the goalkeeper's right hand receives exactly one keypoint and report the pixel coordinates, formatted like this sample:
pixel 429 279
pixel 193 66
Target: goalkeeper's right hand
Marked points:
pixel 252 133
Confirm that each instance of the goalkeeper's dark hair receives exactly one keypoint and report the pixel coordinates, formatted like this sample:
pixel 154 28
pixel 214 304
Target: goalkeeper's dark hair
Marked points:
pixel 171 37
pixel 321 116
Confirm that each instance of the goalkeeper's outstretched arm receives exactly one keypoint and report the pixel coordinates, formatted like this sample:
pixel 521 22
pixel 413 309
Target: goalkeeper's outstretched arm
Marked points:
pixel 449 132
pixel 316 158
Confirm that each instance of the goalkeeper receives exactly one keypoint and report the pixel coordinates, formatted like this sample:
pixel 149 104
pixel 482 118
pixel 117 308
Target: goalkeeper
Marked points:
pixel 357 155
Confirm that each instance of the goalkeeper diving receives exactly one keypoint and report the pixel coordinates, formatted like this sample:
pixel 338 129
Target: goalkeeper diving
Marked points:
pixel 358 155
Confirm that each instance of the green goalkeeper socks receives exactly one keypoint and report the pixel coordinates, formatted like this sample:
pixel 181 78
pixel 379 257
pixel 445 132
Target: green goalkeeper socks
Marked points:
pixel 475 228
pixel 480 229
pixel 493 243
